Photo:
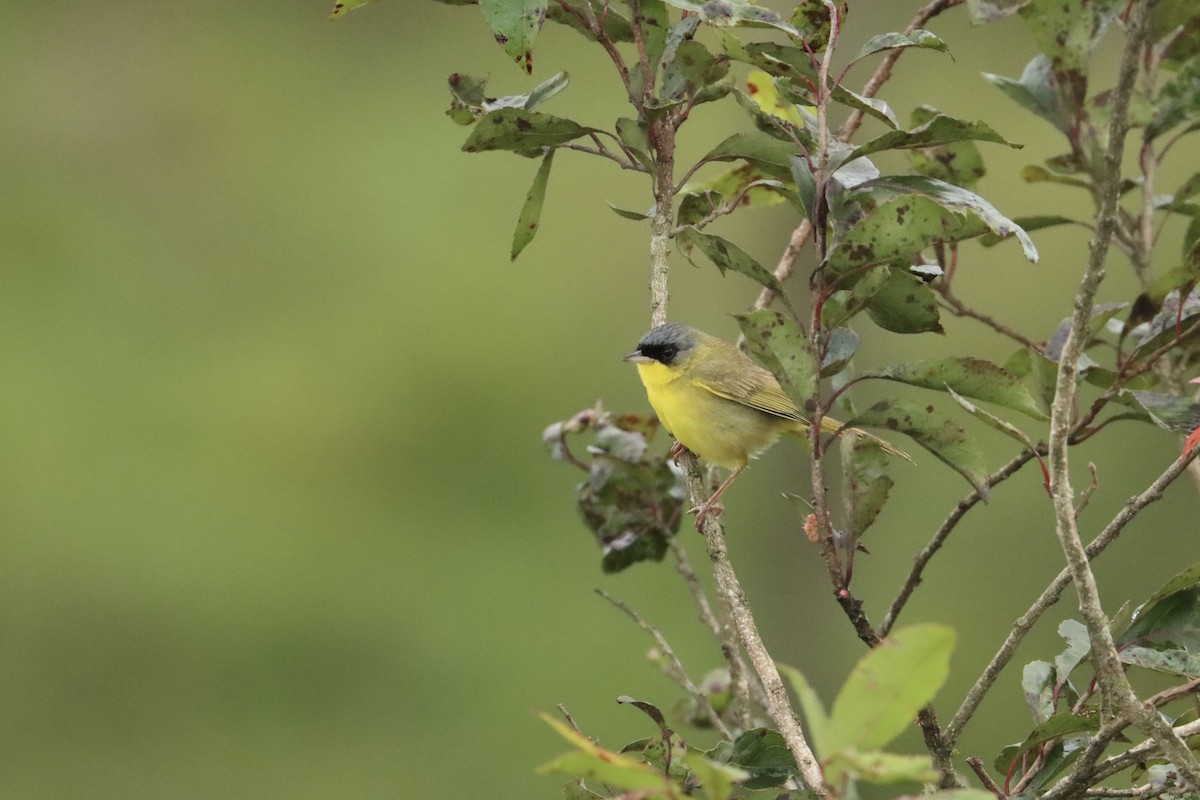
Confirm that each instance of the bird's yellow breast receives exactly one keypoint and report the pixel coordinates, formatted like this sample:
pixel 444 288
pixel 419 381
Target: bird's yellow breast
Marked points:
pixel 720 431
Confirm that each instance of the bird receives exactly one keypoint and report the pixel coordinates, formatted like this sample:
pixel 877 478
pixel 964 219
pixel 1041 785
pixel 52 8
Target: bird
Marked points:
pixel 717 402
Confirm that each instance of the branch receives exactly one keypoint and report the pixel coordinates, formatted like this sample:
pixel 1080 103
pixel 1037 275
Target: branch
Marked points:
pixel 963 310
pixel 939 538
pixel 884 70
pixel 743 688
pixel 1051 594
pixel 1115 689
pixel 678 671
pixel 779 706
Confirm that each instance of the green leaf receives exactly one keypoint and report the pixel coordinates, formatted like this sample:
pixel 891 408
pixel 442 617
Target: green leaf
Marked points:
pixel 933 431
pixel 1178 100
pixel 811 20
pixel 865 481
pixel 970 377
pixel 1067 30
pixel 470 102
pixel 755 147
pixel 589 760
pixel 1032 173
pixel 631 500
pixel 655 23
pixel 1187 579
pixel 892 41
pixel 1034 223
pixel 888 686
pixel 955 162
pixel 1175 413
pixel 1035 92
pixel 903 303
pixel 716 780
pixel 522 131
pixel 726 255
pixel 1165 632
pixel 1037 683
pixel 577 790
pixel 764 754
pixel 1180 20
pixel 994 422
pixel 991 10
pixel 815 717
pixel 840 347
pixel 633 135
pixel 1079 646
pixel 780 344
pixel 911 213
pixel 342 6
pixel 806 184
pixel 615 26
pixel 795 64
pixel 515 24
pixel 545 90
pixel 691 69
pixel 1057 727
pixel 844 305
pixel 875 766
pixel 754 184
pixel 531 211
pixel 1166 636
pixel 728 13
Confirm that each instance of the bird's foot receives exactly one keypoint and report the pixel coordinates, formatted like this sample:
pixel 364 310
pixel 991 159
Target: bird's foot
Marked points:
pixel 676 452
pixel 706 509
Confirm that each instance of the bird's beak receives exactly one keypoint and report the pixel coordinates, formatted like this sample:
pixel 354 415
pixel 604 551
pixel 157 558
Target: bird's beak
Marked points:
pixel 636 357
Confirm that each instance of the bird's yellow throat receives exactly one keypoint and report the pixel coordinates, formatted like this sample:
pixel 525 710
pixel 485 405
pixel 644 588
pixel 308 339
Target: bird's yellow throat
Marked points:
pixel 655 375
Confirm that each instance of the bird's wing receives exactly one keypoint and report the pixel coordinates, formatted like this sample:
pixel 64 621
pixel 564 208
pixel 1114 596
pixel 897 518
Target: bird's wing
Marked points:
pixel 731 375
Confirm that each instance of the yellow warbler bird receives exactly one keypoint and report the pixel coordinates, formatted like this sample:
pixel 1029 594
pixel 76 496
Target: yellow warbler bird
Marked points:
pixel 717 402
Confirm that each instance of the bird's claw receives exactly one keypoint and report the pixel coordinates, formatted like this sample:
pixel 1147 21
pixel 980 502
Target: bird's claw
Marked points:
pixel 676 452
pixel 705 510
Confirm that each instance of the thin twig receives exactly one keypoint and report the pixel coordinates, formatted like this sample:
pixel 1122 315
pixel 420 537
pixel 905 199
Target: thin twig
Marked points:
pixel 678 671
pixel 963 310
pixel 1052 592
pixel 778 705
pixel 976 765
pixel 927 552
pixel 597 29
pixel 744 690
pixel 884 70
pixel 562 709
pixel 1116 693
pixel 606 153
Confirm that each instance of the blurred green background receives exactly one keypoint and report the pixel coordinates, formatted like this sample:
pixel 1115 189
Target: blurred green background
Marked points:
pixel 276 518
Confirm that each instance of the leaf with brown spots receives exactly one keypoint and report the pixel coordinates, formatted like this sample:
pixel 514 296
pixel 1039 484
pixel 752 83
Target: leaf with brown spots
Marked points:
pixel 521 131
pixel 515 24
pixel 911 213
pixel 932 430
pixel 867 484
pixel 938 130
pixel 343 6
pixel 531 212
pixel 902 303
pixel 969 377
pixel 892 41
pixel 781 345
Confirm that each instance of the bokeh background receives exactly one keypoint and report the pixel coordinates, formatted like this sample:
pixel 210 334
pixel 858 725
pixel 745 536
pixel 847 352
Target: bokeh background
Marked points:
pixel 275 516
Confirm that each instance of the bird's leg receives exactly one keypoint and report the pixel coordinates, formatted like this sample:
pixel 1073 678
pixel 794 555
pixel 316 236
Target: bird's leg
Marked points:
pixel 711 506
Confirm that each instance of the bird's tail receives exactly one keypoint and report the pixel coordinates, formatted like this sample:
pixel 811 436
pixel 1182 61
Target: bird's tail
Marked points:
pixel 831 425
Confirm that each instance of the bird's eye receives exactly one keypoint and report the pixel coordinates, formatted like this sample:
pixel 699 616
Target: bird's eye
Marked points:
pixel 668 353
